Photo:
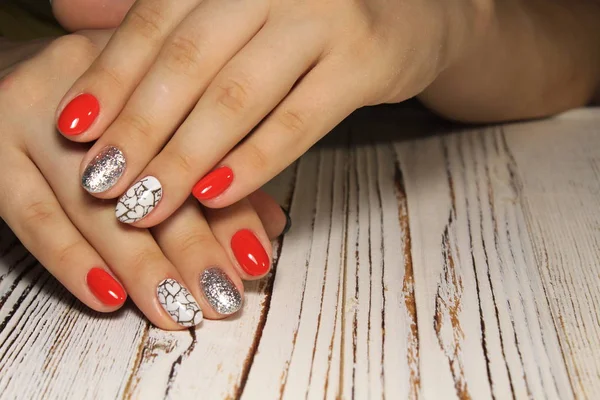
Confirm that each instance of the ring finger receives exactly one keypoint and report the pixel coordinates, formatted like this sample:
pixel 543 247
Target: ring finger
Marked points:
pixel 191 56
pixel 34 214
pixel 133 255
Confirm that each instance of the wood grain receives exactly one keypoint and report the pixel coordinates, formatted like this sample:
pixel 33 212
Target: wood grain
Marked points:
pixel 425 261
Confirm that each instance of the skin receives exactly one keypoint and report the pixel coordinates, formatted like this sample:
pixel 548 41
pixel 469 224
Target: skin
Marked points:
pixel 70 232
pixel 203 75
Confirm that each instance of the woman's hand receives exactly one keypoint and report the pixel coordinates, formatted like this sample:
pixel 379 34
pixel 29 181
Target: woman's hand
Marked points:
pixel 247 86
pixel 190 265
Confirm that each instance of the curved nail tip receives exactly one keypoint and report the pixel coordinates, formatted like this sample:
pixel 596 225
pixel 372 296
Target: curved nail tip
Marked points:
pixel 288 221
pixel 220 291
pixel 179 303
pixel 78 115
pixel 213 184
pixel 104 170
pixel 139 200
pixel 106 288
pixel 250 253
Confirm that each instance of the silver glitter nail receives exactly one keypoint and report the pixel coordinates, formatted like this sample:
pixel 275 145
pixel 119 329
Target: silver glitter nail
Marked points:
pixel 104 170
pixel 220 291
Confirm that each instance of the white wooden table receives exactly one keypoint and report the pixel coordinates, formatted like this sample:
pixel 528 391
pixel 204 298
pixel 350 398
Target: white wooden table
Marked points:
pixel 460 265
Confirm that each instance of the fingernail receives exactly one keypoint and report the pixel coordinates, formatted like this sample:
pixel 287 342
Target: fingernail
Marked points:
pixel 179 303
pixel 220 291
pixel 139 200
pixel 213 184
pixel 288 221
pixel 104 170
pixel 78 115
pixel 105 287
pixel 249 253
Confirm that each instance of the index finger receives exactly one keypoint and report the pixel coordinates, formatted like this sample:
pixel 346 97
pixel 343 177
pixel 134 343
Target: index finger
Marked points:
pixel 98 96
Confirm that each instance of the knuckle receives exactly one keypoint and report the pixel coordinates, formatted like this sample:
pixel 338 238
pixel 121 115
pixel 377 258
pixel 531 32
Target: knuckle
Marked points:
pixel 147 21
pixel 145 260
pixel 20 91
pixel 233 95
pixel 72 48
pixel 255 157
pixel 194 241
pixel 111 77
pixel 183 56
pixel 292 121
pixel 38 212
pixel 185 162
pixel 69 252
pixel 138 126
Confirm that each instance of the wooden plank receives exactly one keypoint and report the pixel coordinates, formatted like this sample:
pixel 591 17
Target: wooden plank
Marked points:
pixel 460 265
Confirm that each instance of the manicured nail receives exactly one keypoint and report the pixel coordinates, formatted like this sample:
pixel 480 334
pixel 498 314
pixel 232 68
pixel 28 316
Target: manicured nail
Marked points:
pixel 179 303
pixel 249 253
pixel 213 184
pixel 78 115
pixel 104 170
pixel 105 287
pixel 220 291
pixel 288 222
pixel 139 200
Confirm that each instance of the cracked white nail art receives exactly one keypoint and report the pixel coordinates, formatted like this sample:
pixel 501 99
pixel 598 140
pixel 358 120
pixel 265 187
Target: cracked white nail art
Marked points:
pixel 139 200
pixel 178 303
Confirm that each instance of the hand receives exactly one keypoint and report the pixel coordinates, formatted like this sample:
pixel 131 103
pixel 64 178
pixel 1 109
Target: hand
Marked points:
pixel 247 86
pixel 175 273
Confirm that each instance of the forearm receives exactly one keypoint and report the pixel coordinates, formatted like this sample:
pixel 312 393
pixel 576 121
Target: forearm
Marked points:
pixel 535 58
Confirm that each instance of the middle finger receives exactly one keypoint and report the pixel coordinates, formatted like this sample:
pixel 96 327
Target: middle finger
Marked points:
pixel 239 97
pixel 191 56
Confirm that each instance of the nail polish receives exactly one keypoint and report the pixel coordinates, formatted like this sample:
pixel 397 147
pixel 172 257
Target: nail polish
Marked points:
pixel 178 303
pixel 139 200
pixel 250 253
pixel 78 115
pixel 288 221
pixel 105 287
pixel 213 184
pixel 104 170
pixel 220 291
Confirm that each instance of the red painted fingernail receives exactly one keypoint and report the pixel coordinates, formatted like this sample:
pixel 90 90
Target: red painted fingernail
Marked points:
pixel 249 253
pixel 213 184
pixel 78 115
pixel 105 287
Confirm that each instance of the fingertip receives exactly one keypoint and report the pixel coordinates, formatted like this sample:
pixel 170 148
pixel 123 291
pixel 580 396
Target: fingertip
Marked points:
pixel 78 115
pixel 275 218
pixel 251 255
pixel 106 288
pixel 212 186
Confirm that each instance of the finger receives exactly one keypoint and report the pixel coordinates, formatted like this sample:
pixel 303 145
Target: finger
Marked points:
pixel 150 279
pixel 189 243
pixel 33 213
pixel 99 94
pixel 240 232
pixel 188 61
pixel 274 218
pixel 245 90
pixel 313 108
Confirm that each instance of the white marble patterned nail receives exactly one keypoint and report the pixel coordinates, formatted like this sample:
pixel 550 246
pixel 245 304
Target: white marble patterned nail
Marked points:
pixel 179 303
pixel 139 200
